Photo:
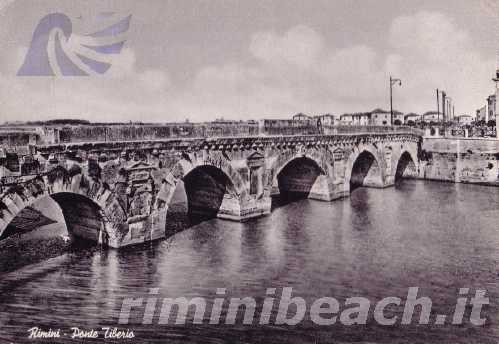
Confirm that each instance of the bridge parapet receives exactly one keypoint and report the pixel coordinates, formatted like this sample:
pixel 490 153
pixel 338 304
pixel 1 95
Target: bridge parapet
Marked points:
pixel 54 134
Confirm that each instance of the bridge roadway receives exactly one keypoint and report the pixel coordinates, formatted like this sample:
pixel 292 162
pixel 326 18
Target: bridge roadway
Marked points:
pixel 118 193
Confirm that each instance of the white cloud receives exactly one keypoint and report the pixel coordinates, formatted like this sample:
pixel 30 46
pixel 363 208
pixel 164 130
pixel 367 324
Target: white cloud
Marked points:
pixel 296 71
pixel 5 3
pixel 122 93
pixel 123 64
pixel 432 52
pixel 154 79
pixel 429 33
pixel 300 46
pixel 288 72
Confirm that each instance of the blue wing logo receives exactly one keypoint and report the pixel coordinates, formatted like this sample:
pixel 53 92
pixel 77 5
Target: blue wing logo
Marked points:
pixel 56 51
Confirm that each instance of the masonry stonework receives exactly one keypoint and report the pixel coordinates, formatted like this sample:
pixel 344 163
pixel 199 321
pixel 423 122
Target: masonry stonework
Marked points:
pixel 119 193
pixel 460 160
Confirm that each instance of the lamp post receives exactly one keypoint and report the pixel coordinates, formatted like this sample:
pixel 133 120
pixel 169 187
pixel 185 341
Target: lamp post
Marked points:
pixel 393 82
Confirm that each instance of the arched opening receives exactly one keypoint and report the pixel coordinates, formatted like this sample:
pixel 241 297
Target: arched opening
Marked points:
pixel 406 167
pixel 197 197
pixel 365 171
pixel 82 215
pixel 49 227
pixel 205 187
pixel 296 179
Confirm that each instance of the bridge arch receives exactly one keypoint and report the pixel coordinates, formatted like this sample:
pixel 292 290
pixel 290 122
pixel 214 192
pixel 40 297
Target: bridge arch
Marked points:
pixel 364 168
pixel 184 166
pixel 406 166
pixel 84 219
pixel 294 176
pixel 88 206
pixel 206 186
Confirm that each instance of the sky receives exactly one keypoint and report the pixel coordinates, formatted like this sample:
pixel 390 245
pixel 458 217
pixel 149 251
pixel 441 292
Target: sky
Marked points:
pixel 206 59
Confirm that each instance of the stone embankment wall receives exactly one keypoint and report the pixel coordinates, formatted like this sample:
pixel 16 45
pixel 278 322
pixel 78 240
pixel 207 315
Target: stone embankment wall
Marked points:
pixel 460 160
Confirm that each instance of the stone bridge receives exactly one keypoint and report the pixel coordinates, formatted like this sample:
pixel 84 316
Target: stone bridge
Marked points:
pixel 118 193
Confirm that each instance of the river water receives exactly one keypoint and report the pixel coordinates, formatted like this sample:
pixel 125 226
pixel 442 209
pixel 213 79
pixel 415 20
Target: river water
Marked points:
pixel 379 242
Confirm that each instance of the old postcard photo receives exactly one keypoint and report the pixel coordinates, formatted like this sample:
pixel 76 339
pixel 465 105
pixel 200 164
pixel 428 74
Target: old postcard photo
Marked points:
pixel 236 171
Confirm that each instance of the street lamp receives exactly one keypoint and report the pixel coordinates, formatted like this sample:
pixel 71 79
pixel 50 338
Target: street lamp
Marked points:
pixel 393 82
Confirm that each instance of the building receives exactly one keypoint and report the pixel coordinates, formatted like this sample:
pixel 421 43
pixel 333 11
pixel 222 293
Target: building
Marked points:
pixel 481 114
pixel 412 118
pixel 377 117
pixel 380 117
pixel 329 119
pixel 496 80
pixel 431 116
pixel 398 118
pixel 361 118
pixel 491 108
pixel 301 117
pixel 358 118
pixel 346 119
pixel 464 119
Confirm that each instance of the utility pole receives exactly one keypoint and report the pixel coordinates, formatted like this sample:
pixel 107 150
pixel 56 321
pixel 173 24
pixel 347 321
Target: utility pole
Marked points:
pixel 392 82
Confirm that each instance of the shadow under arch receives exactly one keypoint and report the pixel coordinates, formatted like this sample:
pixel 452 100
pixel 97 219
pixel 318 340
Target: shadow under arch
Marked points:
pixel 406 167
pixel 296 179
pixel 365 171
pixel 82 216
pixel 198 197
pixel 50 226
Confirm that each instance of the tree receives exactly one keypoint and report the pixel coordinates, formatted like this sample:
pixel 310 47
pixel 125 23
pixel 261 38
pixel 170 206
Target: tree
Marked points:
pixel 491 123
pixel 397 122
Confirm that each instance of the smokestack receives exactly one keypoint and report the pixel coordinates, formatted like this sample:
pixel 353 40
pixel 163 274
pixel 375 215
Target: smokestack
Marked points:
pixel 438 106
pixel 443 106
